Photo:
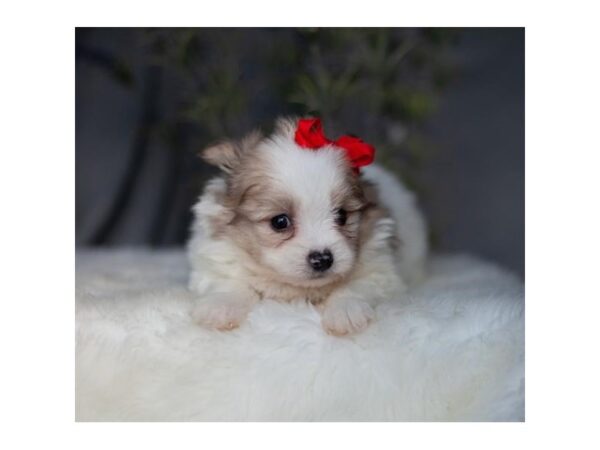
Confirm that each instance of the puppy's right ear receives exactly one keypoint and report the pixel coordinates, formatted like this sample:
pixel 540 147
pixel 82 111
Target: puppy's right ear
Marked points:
pixel 228 154
pixel 225 155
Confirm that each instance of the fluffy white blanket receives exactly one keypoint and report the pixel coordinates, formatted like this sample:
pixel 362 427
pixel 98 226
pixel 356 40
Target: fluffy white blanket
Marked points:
pixel 452 350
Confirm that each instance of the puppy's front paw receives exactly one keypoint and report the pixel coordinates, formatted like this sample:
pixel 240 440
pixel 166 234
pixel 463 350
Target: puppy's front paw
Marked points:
pixel 222 311
pixel 348 315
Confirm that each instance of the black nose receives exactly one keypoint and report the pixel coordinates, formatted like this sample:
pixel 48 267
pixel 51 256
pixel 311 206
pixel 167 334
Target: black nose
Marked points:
pixel 320 261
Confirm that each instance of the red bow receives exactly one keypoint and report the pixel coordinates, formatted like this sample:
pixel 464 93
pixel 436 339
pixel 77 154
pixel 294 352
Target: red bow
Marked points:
pixel 309 134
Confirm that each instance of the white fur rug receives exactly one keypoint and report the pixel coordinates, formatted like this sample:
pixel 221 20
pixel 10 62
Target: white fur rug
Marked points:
pixel 452 351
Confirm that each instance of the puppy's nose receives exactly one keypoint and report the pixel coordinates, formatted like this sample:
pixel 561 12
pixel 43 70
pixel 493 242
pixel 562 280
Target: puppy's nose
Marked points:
pixel 320 261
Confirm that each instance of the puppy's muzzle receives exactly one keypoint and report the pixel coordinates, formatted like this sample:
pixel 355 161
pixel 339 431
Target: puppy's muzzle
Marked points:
pixel 320 261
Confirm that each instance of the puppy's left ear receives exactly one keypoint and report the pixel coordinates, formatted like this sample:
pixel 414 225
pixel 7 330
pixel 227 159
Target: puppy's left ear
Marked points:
pixel 224 155
pixel 228 154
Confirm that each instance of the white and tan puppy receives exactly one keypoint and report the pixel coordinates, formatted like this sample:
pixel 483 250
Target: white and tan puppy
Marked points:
pixel 287 223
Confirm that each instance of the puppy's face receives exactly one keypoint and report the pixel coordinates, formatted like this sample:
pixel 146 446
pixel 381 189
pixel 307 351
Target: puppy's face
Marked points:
pixel 295 211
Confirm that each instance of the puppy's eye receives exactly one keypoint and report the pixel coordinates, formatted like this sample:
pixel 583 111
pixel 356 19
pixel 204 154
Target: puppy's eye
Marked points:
pixel 341 216
pixel 281 222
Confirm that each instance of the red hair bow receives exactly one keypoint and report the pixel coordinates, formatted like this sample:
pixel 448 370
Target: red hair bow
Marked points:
pixel 309 134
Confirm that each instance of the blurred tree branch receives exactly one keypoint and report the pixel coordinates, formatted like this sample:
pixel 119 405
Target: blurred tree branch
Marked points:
pixel 379 83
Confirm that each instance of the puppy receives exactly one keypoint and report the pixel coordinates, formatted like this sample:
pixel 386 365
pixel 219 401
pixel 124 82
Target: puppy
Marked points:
pixel 292 218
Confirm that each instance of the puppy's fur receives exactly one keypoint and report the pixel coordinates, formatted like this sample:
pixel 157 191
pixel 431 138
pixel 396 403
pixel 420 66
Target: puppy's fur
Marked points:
pixel 237 258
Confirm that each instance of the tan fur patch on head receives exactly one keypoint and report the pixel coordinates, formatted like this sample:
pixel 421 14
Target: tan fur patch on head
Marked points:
pixel 253 201
pixel 261 202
